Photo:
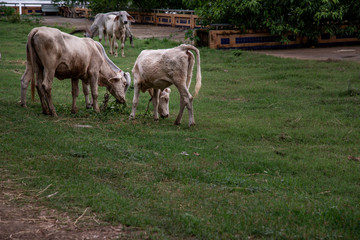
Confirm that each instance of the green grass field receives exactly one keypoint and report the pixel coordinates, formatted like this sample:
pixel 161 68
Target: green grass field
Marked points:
pixel 273 153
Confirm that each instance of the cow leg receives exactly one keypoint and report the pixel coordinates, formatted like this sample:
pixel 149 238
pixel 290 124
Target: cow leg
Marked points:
pixel 135 99
pixel 123 44
pixel 116 46
pixel 155 101
pixel 47 85
pixel 25 80
pixel 111 40
pixel 101 34
pixel 129 34
pixel 75 94
pixel 94 91
pixel 182 107
pixel 41 92
pixel 86 94
pixel 185 101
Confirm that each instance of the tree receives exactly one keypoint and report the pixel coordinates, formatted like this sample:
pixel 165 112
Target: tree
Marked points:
pixel 308 18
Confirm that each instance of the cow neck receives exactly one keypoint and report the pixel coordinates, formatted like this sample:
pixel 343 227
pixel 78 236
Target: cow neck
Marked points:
pixel 108 60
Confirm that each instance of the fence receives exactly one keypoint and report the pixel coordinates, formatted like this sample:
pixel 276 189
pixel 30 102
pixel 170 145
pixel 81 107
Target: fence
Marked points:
pixel 166 17
pixel 234 39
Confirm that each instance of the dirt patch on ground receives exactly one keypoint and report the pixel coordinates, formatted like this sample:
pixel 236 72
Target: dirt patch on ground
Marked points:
pixel 138 30
pixel 349 53
pixel 22 218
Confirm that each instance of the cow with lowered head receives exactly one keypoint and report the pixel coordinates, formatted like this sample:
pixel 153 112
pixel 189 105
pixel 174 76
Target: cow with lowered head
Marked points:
pixel 52 53
pixel 160 101
pixel 158 69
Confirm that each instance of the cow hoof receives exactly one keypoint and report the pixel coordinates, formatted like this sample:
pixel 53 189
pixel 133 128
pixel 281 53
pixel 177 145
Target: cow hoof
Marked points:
pixel 131 117
pixel 23 105
pixel 176 123
pixel 74 111
pixel 156 119
pixel 191 124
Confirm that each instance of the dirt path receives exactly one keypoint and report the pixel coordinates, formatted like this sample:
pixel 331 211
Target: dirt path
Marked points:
pixel 351 53
pixel 139 30
pixel 22 218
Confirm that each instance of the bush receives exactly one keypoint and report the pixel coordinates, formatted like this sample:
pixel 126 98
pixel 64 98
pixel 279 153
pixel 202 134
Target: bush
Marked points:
pixel 6 11
pixel 303 17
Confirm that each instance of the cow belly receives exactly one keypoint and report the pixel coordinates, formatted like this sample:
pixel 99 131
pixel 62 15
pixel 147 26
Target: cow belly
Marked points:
pixel 64 71
pixel 158 84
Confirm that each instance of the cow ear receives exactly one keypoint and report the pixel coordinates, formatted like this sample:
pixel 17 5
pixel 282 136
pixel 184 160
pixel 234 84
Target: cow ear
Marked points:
pixel 130 18
pixel 116 18
pixel 114 80
pixel 168 90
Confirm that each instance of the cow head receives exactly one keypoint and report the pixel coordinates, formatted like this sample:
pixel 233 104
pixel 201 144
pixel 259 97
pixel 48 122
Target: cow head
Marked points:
pixel 164 103
pixel 124 17
pixel 118 85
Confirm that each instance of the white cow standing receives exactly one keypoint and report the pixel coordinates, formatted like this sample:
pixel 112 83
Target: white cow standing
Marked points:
pixel 116 28
pixel 159 69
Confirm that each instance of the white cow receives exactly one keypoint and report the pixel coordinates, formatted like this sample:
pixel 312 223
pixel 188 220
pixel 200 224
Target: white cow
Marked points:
pixel 52 53
pixel 121 27
pixel 159 69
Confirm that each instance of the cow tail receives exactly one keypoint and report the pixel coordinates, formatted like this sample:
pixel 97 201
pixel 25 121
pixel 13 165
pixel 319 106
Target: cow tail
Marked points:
pixel 198 73
pixel 31 60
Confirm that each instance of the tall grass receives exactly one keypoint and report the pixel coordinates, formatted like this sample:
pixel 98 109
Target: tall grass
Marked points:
pixel 268 158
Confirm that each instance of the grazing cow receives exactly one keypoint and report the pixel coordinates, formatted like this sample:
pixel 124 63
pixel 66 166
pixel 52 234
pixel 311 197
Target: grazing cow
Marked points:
pixel 162 98
pixel 99 27
pixel 159 69
pixel 52 53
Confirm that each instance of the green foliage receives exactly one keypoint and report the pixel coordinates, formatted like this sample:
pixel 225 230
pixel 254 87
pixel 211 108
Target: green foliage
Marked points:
pixel 7 11
pixel 306 17
pixel 273 154
pixel 189 35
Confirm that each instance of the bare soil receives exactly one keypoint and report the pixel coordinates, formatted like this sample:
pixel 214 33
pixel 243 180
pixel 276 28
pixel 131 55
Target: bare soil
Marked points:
pixel 21 217
pixel 139 30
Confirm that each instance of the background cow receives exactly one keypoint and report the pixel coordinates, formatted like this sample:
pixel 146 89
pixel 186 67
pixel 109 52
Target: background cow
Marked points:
pixel 120 31
pixel 98 28
pixel 51 52
pixel 159 69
